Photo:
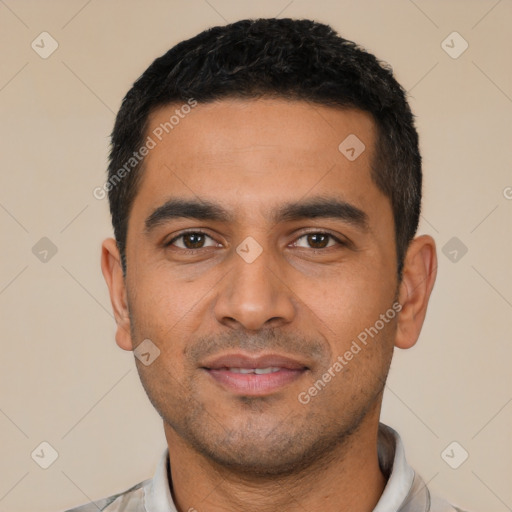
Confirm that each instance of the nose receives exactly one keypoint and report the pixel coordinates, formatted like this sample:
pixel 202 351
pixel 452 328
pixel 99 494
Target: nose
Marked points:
pixel 255 295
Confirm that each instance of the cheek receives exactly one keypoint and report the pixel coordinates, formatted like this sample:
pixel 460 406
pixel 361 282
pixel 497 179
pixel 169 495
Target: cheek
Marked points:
pixel 349 301
pixel 166 311
pixel 158 296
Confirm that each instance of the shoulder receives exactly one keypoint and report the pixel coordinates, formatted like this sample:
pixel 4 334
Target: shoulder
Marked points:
pixel 131 500
pixel 439 505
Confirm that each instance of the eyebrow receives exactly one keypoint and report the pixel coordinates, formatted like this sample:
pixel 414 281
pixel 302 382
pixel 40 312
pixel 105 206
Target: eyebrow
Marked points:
pixel 314 208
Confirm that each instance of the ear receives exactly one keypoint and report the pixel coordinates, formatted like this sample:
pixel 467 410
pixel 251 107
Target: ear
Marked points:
pixel 418 278
pixel 113 274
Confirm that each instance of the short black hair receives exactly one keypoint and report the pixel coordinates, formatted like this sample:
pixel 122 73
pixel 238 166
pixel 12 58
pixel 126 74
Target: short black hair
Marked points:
pixel 296 59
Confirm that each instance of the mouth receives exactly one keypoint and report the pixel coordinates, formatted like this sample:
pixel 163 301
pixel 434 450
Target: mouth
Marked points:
pixel 254 376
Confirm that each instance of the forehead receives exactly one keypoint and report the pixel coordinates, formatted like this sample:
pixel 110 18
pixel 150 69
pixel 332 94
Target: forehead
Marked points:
pixel 252 154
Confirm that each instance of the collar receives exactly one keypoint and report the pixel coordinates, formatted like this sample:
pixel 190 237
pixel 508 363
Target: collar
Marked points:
pixel 158 497
pixel 404 491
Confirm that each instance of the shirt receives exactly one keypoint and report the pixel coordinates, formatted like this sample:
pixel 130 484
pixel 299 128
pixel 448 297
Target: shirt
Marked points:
pixel 405 490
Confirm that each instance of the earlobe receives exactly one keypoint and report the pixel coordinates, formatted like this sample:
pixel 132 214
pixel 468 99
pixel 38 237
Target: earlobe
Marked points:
pixel 113 274
pixel 419 275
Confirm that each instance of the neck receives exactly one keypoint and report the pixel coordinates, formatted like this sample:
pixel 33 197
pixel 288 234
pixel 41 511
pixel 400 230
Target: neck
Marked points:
pixel 349 479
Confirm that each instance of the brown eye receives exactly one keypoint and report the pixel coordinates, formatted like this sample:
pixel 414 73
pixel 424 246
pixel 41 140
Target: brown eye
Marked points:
pixel 192 240
pixel 318 240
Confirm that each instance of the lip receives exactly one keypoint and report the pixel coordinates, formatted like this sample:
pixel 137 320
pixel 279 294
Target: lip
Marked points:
pixel 240 360
pixel 254 384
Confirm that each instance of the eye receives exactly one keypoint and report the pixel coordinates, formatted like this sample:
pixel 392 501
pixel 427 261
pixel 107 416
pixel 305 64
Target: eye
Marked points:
pixel 318 240
pixel 192 240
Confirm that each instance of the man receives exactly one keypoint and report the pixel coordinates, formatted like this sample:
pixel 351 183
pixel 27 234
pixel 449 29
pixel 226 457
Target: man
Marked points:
pixel 265 189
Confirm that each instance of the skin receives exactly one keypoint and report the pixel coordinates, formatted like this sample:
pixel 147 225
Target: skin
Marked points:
pixel 307 298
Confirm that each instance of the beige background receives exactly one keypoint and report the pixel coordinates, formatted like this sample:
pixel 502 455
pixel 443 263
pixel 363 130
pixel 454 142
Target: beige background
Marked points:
pixel 62 378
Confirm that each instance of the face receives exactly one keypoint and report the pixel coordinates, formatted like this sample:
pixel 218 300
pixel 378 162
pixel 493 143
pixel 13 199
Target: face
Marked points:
pixel 254 242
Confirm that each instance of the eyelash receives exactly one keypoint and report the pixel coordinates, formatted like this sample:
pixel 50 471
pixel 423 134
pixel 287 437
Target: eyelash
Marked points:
pixel 200 232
